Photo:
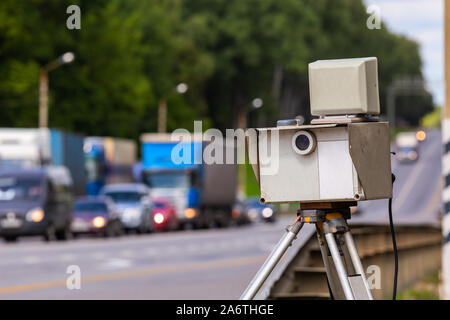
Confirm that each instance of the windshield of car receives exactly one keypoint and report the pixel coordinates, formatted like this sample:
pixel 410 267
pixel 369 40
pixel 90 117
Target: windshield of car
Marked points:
pixel 125 196
pixel 90 206
pixel 159 204
pixel 167 180
pixel 18 188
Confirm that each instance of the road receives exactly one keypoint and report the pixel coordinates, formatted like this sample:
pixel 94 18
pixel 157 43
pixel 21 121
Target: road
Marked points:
pixel 201 264
pixel 417 189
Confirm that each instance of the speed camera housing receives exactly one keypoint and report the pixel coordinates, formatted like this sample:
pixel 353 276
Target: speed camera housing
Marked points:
pixel 345 86
pixel 348 162
pixel 342 156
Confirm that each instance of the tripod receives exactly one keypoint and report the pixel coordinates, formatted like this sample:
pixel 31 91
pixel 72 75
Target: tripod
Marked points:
pixel 345 273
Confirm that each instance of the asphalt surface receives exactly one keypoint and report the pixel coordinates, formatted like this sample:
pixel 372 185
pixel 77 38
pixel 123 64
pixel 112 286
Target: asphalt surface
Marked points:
pixel 417 189
pixel 199 264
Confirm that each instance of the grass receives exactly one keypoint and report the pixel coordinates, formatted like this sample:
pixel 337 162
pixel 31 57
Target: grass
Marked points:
pixel 426 289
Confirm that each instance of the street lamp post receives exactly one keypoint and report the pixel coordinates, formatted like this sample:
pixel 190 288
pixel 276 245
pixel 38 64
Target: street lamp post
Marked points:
pixel 181 88
pixel 66 58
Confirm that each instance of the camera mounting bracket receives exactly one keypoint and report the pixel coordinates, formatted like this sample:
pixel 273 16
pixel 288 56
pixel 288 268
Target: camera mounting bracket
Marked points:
pixel 344 119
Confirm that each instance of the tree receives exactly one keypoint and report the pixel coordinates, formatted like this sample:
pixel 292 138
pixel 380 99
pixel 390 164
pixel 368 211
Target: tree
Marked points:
pixel 130 54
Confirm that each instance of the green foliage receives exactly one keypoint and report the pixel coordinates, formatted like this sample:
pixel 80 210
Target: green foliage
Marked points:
pixel 426 289
pixel 432 119
pixel 132 53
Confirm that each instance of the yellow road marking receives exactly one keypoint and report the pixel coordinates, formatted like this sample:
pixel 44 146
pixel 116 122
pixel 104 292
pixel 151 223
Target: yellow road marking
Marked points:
pixel 138 273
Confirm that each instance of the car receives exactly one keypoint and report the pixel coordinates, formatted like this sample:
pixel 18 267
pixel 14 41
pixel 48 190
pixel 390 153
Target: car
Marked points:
pixel 36 201
pixel 258 211
pixel 239 213
pixel 133 203
pixel 96 215
pixel 407 147
pixel 164 215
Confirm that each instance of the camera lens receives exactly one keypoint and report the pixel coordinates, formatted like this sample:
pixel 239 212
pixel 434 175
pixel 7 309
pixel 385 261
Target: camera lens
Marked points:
pixel 302 142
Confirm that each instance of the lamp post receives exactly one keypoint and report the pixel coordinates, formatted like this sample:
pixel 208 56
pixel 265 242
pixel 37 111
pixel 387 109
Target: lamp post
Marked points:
pixel 66 58
pixel 256 103
pixel 181 88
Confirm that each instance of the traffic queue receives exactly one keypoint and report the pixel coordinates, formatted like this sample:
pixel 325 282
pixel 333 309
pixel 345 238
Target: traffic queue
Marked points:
pixel 44 192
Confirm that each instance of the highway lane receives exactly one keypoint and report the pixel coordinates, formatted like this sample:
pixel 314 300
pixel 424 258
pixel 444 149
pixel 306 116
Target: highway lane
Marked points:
pixel 417 189
pixel 201 264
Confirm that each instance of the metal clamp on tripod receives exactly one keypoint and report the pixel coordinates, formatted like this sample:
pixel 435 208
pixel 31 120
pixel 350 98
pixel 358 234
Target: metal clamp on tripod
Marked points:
pixel 344 269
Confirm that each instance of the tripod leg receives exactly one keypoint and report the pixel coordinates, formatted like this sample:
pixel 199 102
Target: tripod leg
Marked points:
pixel 339 265
pixel 351 247
pixel 271 261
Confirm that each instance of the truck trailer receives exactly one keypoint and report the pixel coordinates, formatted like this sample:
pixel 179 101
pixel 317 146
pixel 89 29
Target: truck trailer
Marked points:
pixel 31 147
pixel 203 194
pixel 108 160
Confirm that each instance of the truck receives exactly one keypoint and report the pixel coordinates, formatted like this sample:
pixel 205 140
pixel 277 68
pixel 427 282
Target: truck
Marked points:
pixel 36 147
pixel 108 160
pixel 203 194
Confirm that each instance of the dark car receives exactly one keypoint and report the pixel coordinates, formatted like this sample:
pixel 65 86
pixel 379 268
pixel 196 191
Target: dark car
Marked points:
pixel 164 215
pixel 96 215
pixel 259 211
pixel 36 202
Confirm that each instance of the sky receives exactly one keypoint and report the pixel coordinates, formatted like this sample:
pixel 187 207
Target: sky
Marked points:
pixel 423 21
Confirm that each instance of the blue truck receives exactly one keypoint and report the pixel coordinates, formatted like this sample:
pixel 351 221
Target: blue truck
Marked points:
pixel 108 160
pixel 203 195
pixel 31 147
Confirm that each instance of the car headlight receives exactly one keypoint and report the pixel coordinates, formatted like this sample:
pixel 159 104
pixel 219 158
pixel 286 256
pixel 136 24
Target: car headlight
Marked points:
pixel 98 222
pixel 412 155
pixel 267 212
pixel 158 218
pixel 131 212
pixel 421 135
pixel 35 215
pixel 252 213
pixel 190 213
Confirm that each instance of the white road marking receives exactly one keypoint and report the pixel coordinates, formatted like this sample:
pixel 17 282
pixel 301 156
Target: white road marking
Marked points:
pixel 115 263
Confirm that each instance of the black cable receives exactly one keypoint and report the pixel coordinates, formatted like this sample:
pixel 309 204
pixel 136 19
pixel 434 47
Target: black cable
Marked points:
pixel 329 289
pixel 394 244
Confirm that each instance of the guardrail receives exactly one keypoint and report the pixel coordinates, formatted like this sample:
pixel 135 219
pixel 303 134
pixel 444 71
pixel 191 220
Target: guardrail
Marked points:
pixel 303 275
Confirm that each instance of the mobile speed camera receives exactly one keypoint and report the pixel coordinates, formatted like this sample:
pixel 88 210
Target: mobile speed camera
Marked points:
pixel 343 155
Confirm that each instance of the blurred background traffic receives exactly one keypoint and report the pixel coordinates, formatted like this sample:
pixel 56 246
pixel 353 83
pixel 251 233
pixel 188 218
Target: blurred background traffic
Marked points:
pixel 85 148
